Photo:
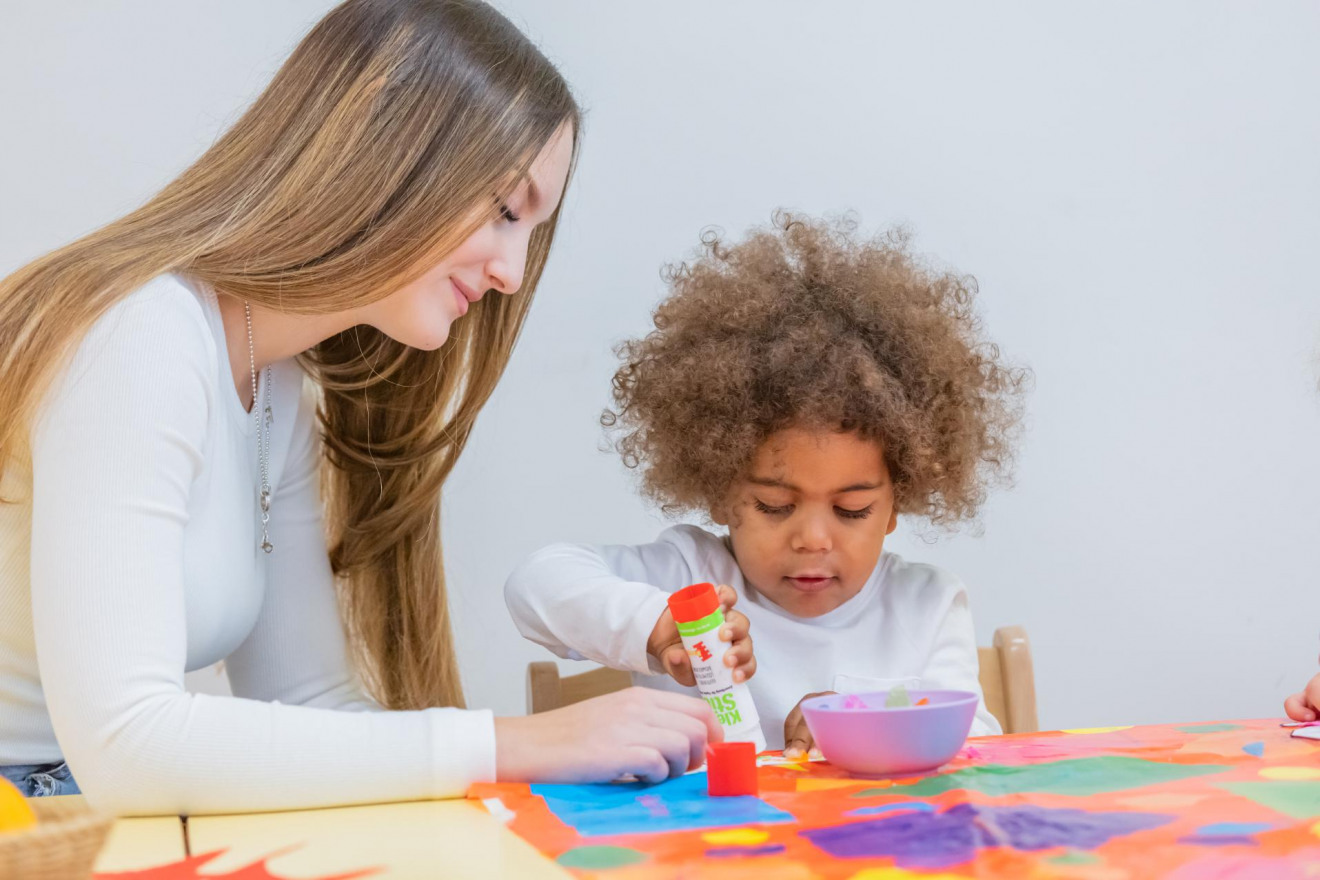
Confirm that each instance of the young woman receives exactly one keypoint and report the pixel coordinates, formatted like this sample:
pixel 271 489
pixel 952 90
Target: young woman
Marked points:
pixel 228 419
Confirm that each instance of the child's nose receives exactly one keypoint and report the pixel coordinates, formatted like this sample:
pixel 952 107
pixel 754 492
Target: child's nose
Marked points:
pixel 813 535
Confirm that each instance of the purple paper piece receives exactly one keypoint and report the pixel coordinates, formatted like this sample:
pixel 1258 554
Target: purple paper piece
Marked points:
pixel 921 806
pixel 736 852
pixel 654 806
pixel 940 840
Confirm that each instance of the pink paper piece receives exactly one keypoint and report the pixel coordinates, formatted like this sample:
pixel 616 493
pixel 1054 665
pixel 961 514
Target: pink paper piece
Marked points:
pixel 852 701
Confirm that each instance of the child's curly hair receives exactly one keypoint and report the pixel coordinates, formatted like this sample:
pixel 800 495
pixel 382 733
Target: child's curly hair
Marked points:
pixel 805 324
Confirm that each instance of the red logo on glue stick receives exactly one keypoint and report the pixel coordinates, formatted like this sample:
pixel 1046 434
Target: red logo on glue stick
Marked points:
pixel 702 652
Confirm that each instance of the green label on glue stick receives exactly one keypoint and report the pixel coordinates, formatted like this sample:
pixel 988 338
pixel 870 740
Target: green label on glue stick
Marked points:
pixel 711 621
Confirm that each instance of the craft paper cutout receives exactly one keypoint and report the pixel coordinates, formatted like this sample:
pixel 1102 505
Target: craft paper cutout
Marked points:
pixel 1183 801
pixel 630 808
pixel 1083 776
pixel 954 836
pixel 190 869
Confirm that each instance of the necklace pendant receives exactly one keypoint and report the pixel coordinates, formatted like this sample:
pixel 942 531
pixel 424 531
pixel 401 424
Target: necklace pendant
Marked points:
pixel 265 501
pixel 267 545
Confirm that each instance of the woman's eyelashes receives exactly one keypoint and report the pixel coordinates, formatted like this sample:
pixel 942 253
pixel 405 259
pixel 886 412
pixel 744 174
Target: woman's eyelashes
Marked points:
pixel 786 509
pixel 506 213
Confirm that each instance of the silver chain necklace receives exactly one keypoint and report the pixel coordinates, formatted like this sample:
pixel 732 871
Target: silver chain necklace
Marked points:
pixel 261 418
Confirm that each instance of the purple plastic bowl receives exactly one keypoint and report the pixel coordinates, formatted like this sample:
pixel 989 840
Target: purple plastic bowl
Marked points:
pixel 870 740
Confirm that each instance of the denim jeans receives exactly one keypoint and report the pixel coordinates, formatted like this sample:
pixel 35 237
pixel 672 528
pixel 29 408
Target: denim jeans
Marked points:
pixel 41 780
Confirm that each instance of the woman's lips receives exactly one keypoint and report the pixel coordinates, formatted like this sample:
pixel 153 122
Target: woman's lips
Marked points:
pixel 463 303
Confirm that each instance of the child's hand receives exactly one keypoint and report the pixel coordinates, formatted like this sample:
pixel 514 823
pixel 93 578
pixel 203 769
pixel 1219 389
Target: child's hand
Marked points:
pixel 1305 706
pixel 666 646
pixel 797 736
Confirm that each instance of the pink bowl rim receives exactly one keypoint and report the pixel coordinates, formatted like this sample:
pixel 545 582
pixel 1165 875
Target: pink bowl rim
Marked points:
pixel 962 698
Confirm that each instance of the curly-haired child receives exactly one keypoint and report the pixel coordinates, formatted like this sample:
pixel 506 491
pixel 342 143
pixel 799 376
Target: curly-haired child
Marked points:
pixel 803 388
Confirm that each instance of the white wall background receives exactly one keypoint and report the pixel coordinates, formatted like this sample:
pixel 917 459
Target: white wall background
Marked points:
pixel 1136 187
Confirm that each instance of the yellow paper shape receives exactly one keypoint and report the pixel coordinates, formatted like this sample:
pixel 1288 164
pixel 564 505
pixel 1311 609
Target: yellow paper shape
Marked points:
pixel 900 874
pixel 1098 729
pixel 827 784
pixel 1290 773
pixel 736 837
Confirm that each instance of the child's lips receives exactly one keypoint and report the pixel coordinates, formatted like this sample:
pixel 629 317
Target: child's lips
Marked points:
pixel 811 583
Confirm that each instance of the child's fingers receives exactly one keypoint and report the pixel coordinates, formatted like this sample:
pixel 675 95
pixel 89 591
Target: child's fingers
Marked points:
pixel 736 626
pixel 663 635
pixel 678 666
pixel 741 658
pixel 798 740
pixel 744 671
pixel 728 596
pixel 797 737
pixel 1297 708
pixel 1311 695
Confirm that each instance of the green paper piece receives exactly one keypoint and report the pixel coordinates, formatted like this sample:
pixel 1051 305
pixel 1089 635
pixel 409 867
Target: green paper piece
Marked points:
pixel 600 857
pixel 898 696
pixel 1208 728
pixel 1298 798
pixel 1076 776
pixel 1075 857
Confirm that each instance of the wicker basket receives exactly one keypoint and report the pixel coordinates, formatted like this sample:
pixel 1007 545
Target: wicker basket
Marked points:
pixel 63 845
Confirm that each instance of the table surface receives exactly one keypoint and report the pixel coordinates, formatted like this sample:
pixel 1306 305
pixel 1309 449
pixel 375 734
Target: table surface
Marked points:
pixel 1234 799
pixel 1196 801
pixel 424 839
pixel 135 844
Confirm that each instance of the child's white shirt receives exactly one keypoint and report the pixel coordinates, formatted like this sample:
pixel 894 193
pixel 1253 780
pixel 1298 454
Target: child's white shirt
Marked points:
pixel 910 624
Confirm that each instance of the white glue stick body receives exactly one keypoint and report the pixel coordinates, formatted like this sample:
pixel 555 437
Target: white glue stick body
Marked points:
pixel 699 617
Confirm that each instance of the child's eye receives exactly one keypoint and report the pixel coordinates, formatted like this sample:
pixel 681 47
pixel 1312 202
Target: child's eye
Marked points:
pixel 508 214
pixel 855 514
pixel 773 511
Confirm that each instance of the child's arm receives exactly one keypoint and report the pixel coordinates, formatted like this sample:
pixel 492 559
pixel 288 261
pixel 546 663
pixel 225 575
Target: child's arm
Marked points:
pixel 595 603
pixel 610 604
pixel 1305 706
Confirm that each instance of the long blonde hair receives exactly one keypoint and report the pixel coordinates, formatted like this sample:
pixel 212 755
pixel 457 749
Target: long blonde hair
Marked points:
pixel 359 165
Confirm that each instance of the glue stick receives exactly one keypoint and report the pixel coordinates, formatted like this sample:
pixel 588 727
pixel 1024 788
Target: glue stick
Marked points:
pixel 696 610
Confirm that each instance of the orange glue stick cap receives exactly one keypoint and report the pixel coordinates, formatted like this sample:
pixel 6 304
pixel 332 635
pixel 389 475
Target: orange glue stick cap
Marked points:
pixel 693 603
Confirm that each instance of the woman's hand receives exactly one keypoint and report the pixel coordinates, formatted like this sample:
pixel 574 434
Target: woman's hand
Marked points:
pixel 1305 706
pixel 666 646
pixel 653 735
pixel 797 736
